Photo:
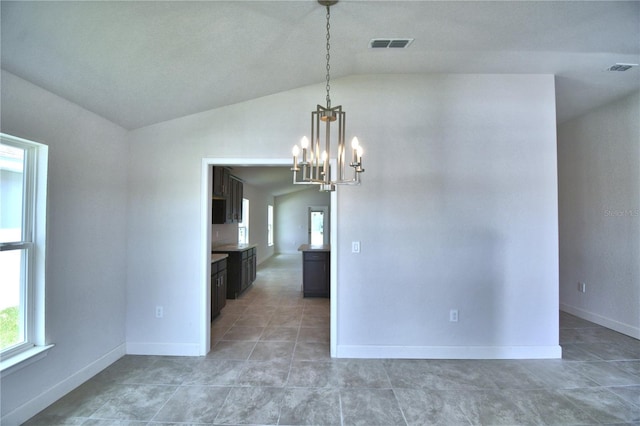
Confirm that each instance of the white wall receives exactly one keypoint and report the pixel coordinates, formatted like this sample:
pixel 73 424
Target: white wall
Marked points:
pixel 458 209
pixel 222 234
pixel 291 221
pixel 258 202
pixel 86 244
pixel 599 186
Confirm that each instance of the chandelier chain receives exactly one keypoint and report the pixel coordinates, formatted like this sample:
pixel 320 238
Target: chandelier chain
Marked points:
pixel 328 57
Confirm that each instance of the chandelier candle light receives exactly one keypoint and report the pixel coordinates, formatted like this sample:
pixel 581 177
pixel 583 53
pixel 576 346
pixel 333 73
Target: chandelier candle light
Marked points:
pixel 314 166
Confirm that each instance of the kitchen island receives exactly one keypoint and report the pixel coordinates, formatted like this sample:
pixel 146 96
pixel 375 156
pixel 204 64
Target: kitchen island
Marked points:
pixel 241 266
pixel 316 270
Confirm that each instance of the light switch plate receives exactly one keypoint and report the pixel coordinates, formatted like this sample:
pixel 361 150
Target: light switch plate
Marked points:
pixel 355 247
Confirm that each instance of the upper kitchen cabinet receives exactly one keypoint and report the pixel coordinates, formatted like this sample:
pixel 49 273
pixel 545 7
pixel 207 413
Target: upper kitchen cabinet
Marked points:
pixel 227 197
pixel 220 182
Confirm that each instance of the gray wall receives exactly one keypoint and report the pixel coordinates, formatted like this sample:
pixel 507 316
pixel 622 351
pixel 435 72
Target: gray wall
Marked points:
pixel 258 202
pixel 228 233
pixel 86 244
pixel 458 209
pixel 292 217
pixel 599 188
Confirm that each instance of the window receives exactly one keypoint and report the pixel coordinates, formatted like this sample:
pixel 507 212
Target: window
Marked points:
pixel 23 166
pixel 243 227
pixel 269 225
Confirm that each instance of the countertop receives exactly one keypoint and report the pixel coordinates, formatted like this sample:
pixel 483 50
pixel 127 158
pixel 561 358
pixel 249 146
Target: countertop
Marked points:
pixel 216 257
pixel 309 247
pixel 232 247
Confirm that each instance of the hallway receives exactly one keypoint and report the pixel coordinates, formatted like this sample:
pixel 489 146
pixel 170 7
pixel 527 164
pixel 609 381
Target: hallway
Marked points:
pixel 270 365
pixel 271 319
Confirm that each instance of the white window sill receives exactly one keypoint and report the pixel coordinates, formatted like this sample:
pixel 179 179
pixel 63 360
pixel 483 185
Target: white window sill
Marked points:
pixel 22 359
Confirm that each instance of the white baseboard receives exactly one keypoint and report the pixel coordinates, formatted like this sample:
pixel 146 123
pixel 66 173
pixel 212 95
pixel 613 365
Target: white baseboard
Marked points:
pixel 51 395
pixel 450 352
pixel 618 326
pixel 165 349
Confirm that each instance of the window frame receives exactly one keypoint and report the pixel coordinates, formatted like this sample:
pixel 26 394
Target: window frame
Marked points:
pixel 33 244
pixel 245 222
pixel 269 225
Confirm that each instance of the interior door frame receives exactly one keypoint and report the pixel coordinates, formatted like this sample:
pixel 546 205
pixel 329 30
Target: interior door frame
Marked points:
pixel 326 236
pixel 205 245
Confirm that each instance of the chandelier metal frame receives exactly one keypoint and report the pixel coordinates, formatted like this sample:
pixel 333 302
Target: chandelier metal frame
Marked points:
pixel 313 168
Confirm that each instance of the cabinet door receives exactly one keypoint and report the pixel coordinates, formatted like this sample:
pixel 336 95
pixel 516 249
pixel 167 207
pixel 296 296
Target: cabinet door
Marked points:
pixel 220 182
pixel 254 265
pixel 245 273
pixel 231 201
pixel 222 290
pixel 315 273
pixel 239 191
pixel 214 295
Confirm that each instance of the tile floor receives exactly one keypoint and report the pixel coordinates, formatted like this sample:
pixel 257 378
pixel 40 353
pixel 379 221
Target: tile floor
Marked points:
pixel 270 365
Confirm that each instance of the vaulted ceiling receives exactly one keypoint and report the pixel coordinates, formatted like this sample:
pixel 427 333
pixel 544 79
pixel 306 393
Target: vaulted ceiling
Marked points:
pixel 138 63
pixel 142 62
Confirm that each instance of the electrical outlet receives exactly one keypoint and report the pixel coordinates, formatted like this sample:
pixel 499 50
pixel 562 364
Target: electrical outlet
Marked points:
pixel 159 312
pixel 582 287
pixel 453 315
pixel 355 247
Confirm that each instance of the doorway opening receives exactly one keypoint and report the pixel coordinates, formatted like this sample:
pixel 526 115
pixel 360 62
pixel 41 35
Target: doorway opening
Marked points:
pixel 329 216
pixel 318 224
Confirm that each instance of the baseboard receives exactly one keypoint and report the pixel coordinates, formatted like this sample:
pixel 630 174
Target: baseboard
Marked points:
pixel 51 395
pixel 618 326
pixel 450 352
pixel 165 349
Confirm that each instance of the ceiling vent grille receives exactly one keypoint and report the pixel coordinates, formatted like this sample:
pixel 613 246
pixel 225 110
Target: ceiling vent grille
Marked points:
pixel 621 67
pixel 390 43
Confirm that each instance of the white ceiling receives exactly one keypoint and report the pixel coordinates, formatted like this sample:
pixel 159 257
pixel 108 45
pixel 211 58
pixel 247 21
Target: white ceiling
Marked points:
pixel 141 62
pixel 274 180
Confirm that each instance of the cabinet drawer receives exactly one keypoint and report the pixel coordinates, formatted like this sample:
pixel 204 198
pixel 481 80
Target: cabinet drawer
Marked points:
pixel 319 256
pixel 222 264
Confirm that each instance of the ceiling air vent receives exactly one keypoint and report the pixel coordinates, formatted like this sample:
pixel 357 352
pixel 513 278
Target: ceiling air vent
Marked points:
pixel 621 67
pixel 390 43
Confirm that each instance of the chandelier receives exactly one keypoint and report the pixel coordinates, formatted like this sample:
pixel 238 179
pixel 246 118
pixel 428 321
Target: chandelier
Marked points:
pixel 313 168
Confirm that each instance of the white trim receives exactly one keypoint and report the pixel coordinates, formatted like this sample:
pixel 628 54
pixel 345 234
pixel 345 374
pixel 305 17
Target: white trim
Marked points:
pixel 163 349
pixel 49 396
pixel 618 326
pixel 34 222
pixel 450 352
pixel 15 362
pixel 333 279
pixel 205 243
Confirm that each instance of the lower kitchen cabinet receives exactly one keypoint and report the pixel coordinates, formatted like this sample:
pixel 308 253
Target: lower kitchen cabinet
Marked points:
pixel 316 273
pixel 241 269
pixel 218 287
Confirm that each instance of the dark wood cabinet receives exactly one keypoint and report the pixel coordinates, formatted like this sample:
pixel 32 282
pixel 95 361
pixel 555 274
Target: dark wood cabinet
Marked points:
pixel 238 193
pixel 234 201
pixel 316 273
pixel 218 287
pixel 227 193
pixel 253 264
pixel 220 181
pixel 241 270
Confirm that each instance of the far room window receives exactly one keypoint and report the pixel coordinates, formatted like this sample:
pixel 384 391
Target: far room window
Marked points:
pixel 243 227
pixel 23 168
pixel 270 225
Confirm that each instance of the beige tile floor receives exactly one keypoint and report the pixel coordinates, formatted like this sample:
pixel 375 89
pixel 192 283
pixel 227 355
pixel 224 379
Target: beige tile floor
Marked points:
pixel 270 365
